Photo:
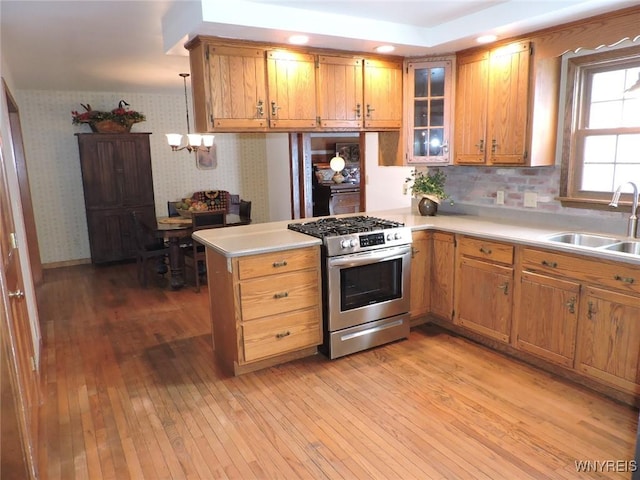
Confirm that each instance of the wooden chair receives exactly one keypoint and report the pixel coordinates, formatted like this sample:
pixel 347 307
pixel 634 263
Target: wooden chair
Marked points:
pixel 172 210
pixel 196 254
pixel 245 208
pixel 146 250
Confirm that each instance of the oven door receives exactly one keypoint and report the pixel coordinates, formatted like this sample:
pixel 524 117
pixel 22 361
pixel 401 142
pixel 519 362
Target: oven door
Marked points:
pixel 368 286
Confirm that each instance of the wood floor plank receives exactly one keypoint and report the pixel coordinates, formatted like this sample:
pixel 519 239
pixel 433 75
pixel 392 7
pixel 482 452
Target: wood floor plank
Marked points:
pixel 132 391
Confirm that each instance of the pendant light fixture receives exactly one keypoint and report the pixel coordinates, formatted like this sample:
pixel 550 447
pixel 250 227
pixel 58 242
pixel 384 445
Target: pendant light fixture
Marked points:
pixel 195 141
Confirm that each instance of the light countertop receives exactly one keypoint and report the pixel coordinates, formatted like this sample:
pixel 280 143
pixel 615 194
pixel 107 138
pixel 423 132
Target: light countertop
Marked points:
pixel 274 236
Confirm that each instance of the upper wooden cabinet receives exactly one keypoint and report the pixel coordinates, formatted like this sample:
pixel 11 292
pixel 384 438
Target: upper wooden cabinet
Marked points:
pixel 292 89
pixel 494 113
pixel 382 94
pixel 340 87
pixel 244 86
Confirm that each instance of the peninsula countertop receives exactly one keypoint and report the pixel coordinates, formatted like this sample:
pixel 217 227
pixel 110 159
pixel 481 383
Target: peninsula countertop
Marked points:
pixel 274 236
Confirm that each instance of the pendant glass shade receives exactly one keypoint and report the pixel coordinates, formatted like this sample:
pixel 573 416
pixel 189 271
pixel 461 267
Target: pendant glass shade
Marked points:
pixel 337 164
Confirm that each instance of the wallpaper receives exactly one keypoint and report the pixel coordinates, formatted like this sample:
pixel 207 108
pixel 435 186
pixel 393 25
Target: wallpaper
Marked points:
pixel 54 166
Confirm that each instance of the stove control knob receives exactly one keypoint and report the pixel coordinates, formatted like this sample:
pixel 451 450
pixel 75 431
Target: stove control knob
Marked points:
pixel 345 244
pixel 389 236
pixel 353 242
pixel 397 236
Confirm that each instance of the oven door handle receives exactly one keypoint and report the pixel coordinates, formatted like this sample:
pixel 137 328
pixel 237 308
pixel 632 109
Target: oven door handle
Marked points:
pixel 364 258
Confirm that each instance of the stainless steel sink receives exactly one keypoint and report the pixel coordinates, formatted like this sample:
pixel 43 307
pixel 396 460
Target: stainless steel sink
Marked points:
pixel 583 239
pixel 625 247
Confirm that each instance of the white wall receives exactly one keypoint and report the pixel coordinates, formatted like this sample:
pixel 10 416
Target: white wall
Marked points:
pixel 383 184
pixel 279 175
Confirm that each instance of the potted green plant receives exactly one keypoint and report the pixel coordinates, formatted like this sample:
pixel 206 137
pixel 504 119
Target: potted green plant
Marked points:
pixel 429 188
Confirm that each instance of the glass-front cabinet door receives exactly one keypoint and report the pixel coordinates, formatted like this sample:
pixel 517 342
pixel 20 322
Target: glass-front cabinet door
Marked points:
pixel 429 98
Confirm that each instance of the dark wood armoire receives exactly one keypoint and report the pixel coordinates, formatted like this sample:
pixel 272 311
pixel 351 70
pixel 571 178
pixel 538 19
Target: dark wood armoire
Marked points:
pixel 117 180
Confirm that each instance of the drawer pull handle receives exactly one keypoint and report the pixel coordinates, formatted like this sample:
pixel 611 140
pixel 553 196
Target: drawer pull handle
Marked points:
pixel 486 251
pixel 281 295
pixel 283 263
pixel 549 264
pixel 624 279
pixel 571 304
pixel 284 334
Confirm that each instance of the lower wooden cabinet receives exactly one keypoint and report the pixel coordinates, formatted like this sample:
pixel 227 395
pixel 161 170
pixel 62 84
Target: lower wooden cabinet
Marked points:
pixel 266 308
pixel 546 316
pixel 442 275
pixel 420 275
pixel 608 338
pixel 484 288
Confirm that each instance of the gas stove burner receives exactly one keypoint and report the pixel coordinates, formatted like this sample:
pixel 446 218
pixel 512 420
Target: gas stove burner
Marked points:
pixel 331 226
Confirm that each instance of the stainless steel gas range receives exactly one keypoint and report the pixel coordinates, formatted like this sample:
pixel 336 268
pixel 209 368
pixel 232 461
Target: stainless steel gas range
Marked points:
pixel 366 281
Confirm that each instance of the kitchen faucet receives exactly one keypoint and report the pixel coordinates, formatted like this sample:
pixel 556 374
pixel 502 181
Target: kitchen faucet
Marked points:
pixel 632 230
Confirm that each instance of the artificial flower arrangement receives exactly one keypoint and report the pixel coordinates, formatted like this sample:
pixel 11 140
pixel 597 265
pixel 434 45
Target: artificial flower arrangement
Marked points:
pixel 121 116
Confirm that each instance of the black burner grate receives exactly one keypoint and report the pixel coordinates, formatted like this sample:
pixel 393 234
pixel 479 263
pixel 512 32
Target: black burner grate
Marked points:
pixel 331 226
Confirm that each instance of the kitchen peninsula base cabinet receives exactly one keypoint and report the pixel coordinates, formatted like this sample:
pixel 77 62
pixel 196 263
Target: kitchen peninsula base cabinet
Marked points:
pixel 265 308
pixel 442 275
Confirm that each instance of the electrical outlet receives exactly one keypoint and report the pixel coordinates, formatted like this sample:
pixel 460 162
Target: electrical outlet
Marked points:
pixel 500 197
pixel 530 199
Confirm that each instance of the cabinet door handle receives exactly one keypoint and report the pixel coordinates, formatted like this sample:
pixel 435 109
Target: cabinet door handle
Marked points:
pixel 358 110
pixel 504 287
pixel 283 334
pixel 414 252
pixel 494 145
pixel 274 109
pixel 549 264
pixel 591 310
pixel 624 279
pixel 480 145
pixel 486 251
pixel 369 110
pixel 17 294
pixel 571 304
pixel 282 263
pixel 260 108
pixel 280 295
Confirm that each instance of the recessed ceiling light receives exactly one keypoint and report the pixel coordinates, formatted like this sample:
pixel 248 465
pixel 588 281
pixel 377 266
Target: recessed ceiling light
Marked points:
pixel 486 38
pixel 385 48
pixel 298 39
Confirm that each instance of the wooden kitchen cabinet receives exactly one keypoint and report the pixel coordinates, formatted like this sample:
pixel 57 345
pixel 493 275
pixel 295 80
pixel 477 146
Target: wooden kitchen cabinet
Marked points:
pixel 117 180
pixel 265 308
pixel 608 338
pixel 292 89
pixel 340 92
pixel 484 287
pixel 492 106
pixel 229 86
pixel 382 94
pixel 421 247
pixel 442 275
pixel 607 310
pixel 546 317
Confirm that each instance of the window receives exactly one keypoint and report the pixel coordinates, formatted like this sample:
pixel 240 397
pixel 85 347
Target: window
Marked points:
pixel 601 146
pixel 428 86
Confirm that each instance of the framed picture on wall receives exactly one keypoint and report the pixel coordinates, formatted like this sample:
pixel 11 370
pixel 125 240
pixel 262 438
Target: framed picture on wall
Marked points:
pixel 349 151
pixel 207 160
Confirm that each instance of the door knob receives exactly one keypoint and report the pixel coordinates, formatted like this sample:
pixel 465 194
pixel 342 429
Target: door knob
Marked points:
pixel 17 294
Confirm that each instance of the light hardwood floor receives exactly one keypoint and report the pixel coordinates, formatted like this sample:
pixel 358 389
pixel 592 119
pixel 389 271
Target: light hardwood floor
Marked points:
pixel 131 390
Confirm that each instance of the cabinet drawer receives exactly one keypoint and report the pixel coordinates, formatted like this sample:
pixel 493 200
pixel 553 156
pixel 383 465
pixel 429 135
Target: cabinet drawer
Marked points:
pixel 278 262
pixel 266 296
pixel 494 251
pixel 597 272
pixel 283 333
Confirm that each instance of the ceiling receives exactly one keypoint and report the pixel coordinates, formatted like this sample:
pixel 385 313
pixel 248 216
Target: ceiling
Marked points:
pixel 137 46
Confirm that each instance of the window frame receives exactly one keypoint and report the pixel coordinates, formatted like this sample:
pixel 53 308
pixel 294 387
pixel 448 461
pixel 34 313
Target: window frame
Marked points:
pixel 577 69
